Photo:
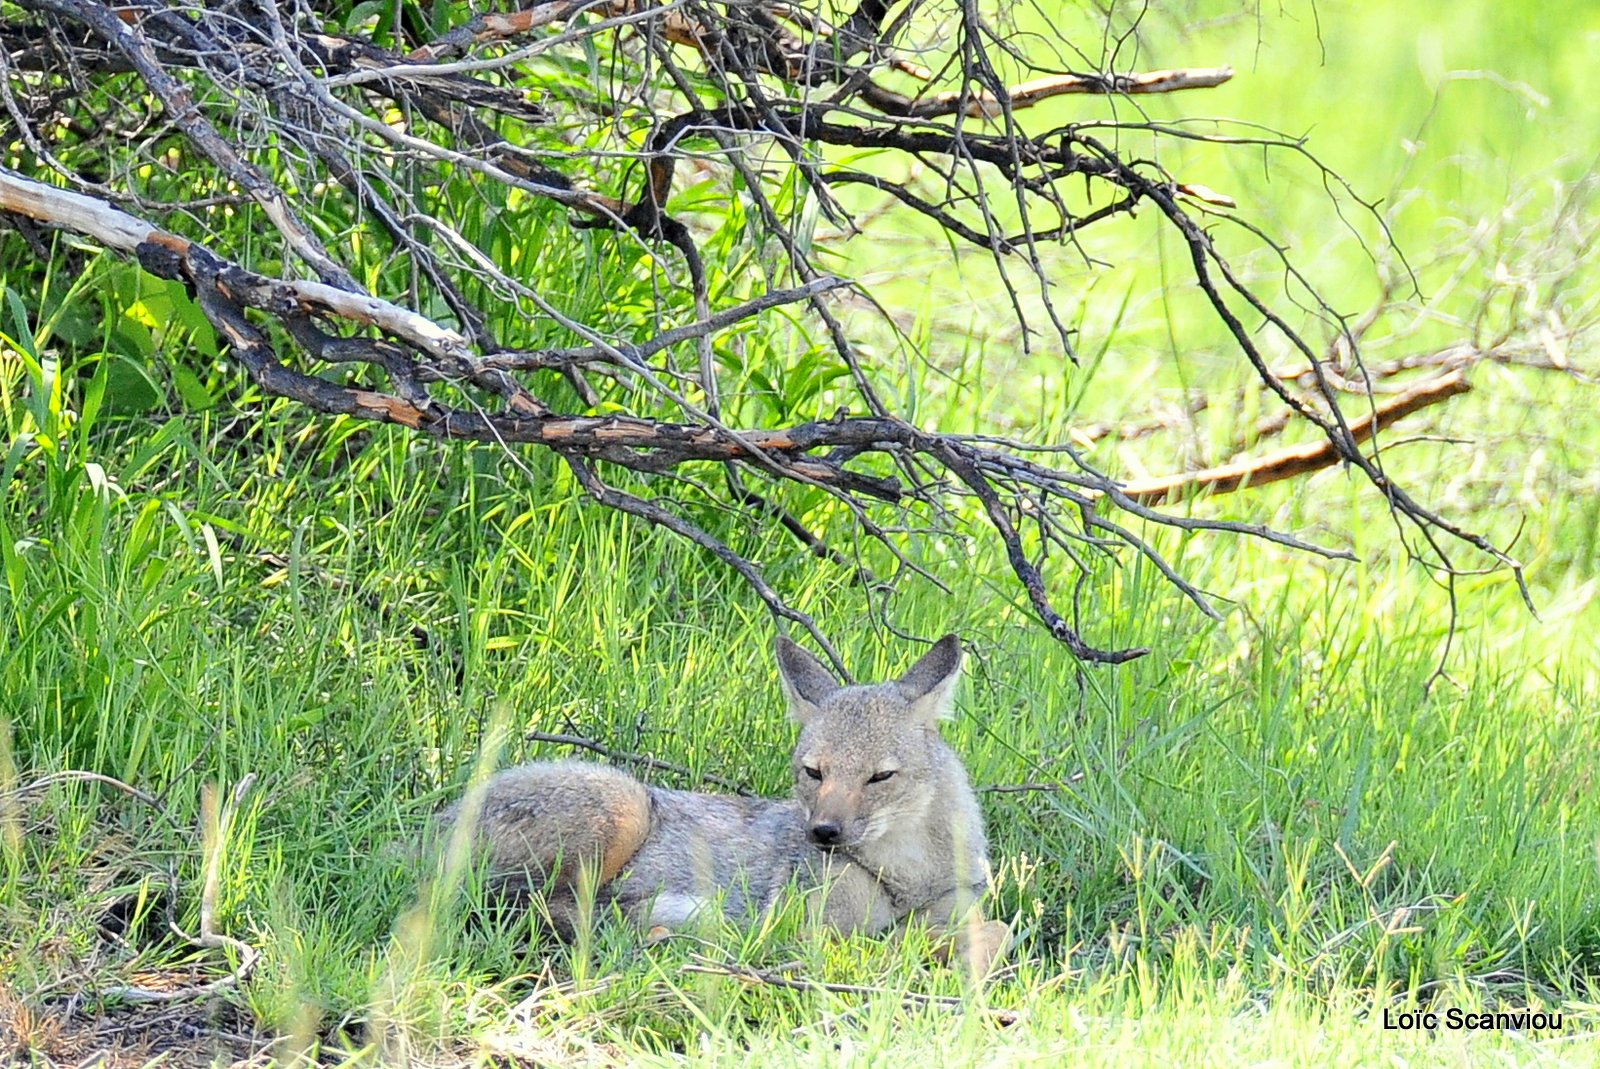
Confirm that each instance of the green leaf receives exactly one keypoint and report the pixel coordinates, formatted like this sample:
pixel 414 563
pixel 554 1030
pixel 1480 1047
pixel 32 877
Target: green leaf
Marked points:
pixel 191 390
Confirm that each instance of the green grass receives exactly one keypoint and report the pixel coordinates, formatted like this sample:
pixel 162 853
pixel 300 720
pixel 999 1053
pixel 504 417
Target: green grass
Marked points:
pixel 1270 830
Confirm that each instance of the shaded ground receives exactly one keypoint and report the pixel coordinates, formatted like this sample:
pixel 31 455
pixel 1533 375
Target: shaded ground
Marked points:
pixel 177 1036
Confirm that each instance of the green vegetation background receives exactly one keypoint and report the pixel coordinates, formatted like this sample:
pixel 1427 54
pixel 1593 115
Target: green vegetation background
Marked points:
pixel 1269 827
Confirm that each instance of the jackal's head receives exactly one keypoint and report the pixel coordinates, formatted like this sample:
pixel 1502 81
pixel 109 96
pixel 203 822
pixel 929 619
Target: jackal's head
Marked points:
pixel 869 760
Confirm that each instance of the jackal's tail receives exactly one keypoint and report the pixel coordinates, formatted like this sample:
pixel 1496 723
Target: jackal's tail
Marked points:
pixel 563 827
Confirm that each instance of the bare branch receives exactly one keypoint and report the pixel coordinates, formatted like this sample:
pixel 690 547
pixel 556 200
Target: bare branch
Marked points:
pixel 985 105
pixel 137 123
pixel 1295 460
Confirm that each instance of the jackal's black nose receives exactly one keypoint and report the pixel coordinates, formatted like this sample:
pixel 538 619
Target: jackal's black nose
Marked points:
pixel 825 833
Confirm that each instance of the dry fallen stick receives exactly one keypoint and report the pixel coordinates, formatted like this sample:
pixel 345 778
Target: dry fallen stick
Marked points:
pixel 921 1000
pixel 1295 460
pixel 73 775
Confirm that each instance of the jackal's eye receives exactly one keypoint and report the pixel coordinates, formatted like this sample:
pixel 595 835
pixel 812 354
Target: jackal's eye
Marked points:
pixel 879 777
pixel 814 773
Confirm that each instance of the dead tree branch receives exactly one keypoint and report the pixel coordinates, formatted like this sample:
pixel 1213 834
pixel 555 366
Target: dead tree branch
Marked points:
pixel 259 154
pixel 1295 460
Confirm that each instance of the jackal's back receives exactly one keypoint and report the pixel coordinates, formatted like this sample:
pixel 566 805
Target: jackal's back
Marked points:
pixel 702 846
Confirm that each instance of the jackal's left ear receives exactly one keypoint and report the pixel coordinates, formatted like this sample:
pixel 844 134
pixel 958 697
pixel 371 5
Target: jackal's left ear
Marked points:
pixel 806 684
pixel 930 686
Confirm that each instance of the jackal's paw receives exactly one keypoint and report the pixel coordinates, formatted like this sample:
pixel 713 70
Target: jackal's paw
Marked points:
pixel 980 946
pixel 976 945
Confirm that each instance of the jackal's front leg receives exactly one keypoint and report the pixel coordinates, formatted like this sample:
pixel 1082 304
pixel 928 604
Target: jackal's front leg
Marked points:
pixel 845 898
pixel 957 915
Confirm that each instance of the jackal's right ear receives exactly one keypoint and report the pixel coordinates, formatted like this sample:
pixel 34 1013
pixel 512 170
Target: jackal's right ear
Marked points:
pixel 805 682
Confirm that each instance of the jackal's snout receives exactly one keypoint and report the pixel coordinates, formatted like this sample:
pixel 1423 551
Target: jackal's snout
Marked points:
pixel 832 814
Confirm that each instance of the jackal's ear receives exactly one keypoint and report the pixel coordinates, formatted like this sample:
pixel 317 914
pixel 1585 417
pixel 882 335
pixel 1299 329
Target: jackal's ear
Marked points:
pixel 806 683
pixel 930 686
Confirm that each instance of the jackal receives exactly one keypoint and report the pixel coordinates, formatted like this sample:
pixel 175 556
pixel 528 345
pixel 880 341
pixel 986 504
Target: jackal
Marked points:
pixel 883 824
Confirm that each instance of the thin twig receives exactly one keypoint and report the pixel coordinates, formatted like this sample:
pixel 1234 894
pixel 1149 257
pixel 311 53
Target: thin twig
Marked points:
pixel 640 760
pixel 215 819
pixel 920 1000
